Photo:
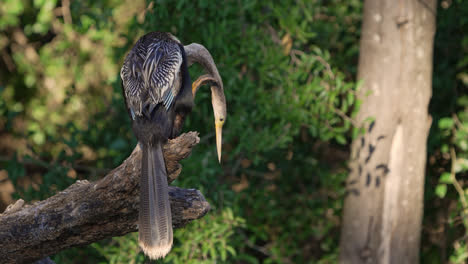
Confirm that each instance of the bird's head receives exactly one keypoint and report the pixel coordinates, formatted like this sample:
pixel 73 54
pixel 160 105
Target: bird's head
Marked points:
pixel 199 54
pixel 219 109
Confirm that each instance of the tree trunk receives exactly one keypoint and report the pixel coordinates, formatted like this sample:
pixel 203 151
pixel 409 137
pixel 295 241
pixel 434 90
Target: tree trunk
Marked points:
pixel 384 203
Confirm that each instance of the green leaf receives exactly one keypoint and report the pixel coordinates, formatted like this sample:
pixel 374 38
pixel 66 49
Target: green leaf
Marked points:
pixel 444 148
pixel 441 190
pixel 446 177
pixel 446 123
pixel 340 139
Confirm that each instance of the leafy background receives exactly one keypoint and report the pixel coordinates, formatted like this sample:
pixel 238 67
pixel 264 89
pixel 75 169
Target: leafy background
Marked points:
pixel 289 71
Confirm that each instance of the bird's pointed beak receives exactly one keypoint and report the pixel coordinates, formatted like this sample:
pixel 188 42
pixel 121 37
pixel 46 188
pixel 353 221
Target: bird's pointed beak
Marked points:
pixel 219 138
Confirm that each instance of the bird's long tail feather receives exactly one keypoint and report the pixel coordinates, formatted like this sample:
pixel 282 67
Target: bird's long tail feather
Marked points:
pixel 155 220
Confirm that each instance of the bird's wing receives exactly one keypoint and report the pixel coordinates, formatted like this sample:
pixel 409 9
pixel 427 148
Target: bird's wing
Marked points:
pixel 133 84
pixel 150 74
pixel 161 70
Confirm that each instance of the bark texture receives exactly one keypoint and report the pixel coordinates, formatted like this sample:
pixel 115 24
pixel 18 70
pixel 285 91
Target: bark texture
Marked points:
pixel 87 212
pixel 384 204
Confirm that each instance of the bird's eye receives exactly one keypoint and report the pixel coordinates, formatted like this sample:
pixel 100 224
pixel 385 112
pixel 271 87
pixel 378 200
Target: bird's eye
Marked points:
pixel 221 119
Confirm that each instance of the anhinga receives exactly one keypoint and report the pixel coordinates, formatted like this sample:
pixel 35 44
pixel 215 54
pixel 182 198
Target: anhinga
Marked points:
pixel 158 96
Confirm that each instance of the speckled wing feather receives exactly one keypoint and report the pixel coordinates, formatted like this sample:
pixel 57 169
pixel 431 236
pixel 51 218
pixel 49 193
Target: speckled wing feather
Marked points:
pixel 150 72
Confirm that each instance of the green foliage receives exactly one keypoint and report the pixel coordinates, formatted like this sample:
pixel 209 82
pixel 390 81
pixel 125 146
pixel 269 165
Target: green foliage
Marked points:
pixel 441 190
pixel 460 254
pixel 120 250
pixel 448 141
pixel 10 11
pixel 207 240
pixel 289 72
pixel 203 241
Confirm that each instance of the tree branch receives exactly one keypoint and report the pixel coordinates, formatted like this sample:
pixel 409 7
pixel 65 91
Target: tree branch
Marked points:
pixel 87 212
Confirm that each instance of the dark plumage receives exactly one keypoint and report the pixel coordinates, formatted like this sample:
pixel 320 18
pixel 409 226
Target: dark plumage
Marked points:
pixel 157 88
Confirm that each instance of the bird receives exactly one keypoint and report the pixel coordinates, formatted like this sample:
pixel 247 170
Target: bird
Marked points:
pixel 157 90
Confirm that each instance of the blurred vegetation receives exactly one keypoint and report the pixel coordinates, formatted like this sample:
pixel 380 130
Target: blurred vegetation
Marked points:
pixel 445 227
pixel 289 71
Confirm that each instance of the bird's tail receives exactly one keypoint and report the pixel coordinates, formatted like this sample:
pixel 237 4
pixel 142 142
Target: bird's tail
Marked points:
pixel 155 220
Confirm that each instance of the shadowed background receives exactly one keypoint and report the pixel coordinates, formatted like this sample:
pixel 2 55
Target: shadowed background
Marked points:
pixel 289 75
